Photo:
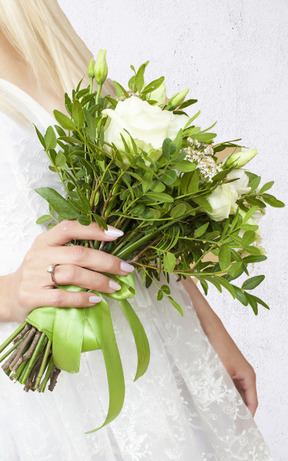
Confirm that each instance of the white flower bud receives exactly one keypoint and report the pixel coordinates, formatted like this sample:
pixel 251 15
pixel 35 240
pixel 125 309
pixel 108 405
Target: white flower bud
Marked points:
pixel 239 159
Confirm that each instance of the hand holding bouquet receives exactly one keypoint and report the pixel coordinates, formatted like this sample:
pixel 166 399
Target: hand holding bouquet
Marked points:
pixel 141 165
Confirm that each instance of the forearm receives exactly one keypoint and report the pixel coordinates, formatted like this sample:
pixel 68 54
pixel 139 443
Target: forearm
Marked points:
pixel 212 325
pixel 208 318
pixel 5 292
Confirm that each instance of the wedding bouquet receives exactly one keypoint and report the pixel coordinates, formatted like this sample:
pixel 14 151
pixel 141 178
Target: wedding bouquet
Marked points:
pixel 138 162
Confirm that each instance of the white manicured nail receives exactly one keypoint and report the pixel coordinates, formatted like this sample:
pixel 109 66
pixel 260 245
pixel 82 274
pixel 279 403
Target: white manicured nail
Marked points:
pixel 94 299
pixel 114 286
pixel 126 267
pixel 113 232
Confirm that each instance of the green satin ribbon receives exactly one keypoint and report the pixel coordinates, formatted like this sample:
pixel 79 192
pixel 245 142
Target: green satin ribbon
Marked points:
pixel 76 330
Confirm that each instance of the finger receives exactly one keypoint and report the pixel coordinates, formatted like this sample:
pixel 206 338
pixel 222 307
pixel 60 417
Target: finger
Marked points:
pixel 69 274
pixel 69 230
pixel 64 298
pixel 88 258
pixel 251 398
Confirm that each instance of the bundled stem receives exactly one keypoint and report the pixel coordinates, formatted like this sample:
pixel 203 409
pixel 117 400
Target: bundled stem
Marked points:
pixel 29 359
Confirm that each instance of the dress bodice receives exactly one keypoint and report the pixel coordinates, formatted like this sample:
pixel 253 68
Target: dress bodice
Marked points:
pixel 24 167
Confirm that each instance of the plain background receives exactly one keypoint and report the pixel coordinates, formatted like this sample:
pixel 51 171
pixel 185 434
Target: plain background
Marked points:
pixel 233 55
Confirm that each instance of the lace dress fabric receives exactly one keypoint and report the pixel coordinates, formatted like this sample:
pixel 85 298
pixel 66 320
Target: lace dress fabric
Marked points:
pixel 184 408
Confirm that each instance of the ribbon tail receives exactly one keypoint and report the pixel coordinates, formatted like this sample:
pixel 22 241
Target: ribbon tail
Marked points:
pixel 100 322
pixel 140 337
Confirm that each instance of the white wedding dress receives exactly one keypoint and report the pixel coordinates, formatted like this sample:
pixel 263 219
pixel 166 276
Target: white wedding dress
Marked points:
pixel 185 408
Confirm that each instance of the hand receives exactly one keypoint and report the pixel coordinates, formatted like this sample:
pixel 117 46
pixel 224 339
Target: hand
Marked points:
pixel 31 285
pixel 239 369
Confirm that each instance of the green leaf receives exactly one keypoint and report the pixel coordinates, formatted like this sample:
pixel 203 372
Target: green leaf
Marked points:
pixel 236 269
pixel 120 91
pixel 201 230
pixel 169 177
pixel 165 289
pixel 63 120
pixel 176 305
pixel 241 296
pixel 204 137
pixel 166 147
pixel 178 210
pixel 272 201
pixel 169 261
pixel 157 186
pixel 254 258
pixel 260 301
pixel 139 77
pixel 255 201
pixel 187 103
pixel 160 197
pixel 203 203
pixel 204 285
pixel 40 137
pixel 91 127
pixel 266 186
pixel 58 203
pixel 253 282
pixel 224 257
pixel 43 219
pixel 185 166
pixel 60 160
pixel 77 114
pixel 50 138
pixel 85 220
pixel 160 295
pixel 249 214
pixel 192 120
pixel 147 181
pixel 153 85
pixel 252 250
pixel 228 286
pixel 248 238
pixel 253 303
pixel 255 182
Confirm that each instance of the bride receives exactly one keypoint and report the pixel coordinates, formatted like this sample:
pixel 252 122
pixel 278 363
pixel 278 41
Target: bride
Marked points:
pixel 198 398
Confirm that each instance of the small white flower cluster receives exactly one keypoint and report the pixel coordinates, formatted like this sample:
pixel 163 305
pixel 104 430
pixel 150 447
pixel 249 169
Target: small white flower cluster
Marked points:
pixel 202 154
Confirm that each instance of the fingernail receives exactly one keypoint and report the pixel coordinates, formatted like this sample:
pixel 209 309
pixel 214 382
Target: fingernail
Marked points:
pixel 114 286
pixel 125 267
pixel 94 299
pixel 113 232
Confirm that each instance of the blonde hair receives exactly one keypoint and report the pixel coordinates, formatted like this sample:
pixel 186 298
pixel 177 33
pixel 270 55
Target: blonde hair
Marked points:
pixel 42 35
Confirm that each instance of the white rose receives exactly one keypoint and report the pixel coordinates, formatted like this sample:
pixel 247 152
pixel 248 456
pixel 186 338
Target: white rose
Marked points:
pixel 148 125
pixel 222 200
pixel 241 183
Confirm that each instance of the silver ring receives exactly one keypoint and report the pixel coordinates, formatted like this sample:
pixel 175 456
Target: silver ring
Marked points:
pixel 51 270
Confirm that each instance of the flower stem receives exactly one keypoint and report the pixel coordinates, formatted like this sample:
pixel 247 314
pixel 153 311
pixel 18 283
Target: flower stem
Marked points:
pixel 43 365
pixel 14 335
pixel 34 357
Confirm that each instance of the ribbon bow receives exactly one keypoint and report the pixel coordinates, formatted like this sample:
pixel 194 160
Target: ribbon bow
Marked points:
pixel 73 331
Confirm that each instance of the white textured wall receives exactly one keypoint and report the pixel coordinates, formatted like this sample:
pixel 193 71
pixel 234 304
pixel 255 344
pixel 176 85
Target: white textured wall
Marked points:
pixel 232 54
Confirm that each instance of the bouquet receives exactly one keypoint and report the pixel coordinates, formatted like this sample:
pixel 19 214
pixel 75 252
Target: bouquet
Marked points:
pixel 138 162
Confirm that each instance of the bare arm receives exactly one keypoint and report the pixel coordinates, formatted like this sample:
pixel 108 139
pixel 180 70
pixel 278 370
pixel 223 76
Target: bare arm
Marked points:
pixel 239 369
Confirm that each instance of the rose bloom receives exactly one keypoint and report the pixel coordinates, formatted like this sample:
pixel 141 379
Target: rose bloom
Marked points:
pixel 222 201
pixel 148 125
pixel 223 198
pixel 241 184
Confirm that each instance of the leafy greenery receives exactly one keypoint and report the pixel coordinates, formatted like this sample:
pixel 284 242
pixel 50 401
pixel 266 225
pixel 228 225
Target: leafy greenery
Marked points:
pixel 160 205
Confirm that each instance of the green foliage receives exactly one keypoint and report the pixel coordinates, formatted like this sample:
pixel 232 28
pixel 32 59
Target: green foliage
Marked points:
pixel 161 205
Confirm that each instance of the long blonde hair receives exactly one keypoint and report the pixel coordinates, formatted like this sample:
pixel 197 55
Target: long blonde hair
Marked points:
pixel 42 35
